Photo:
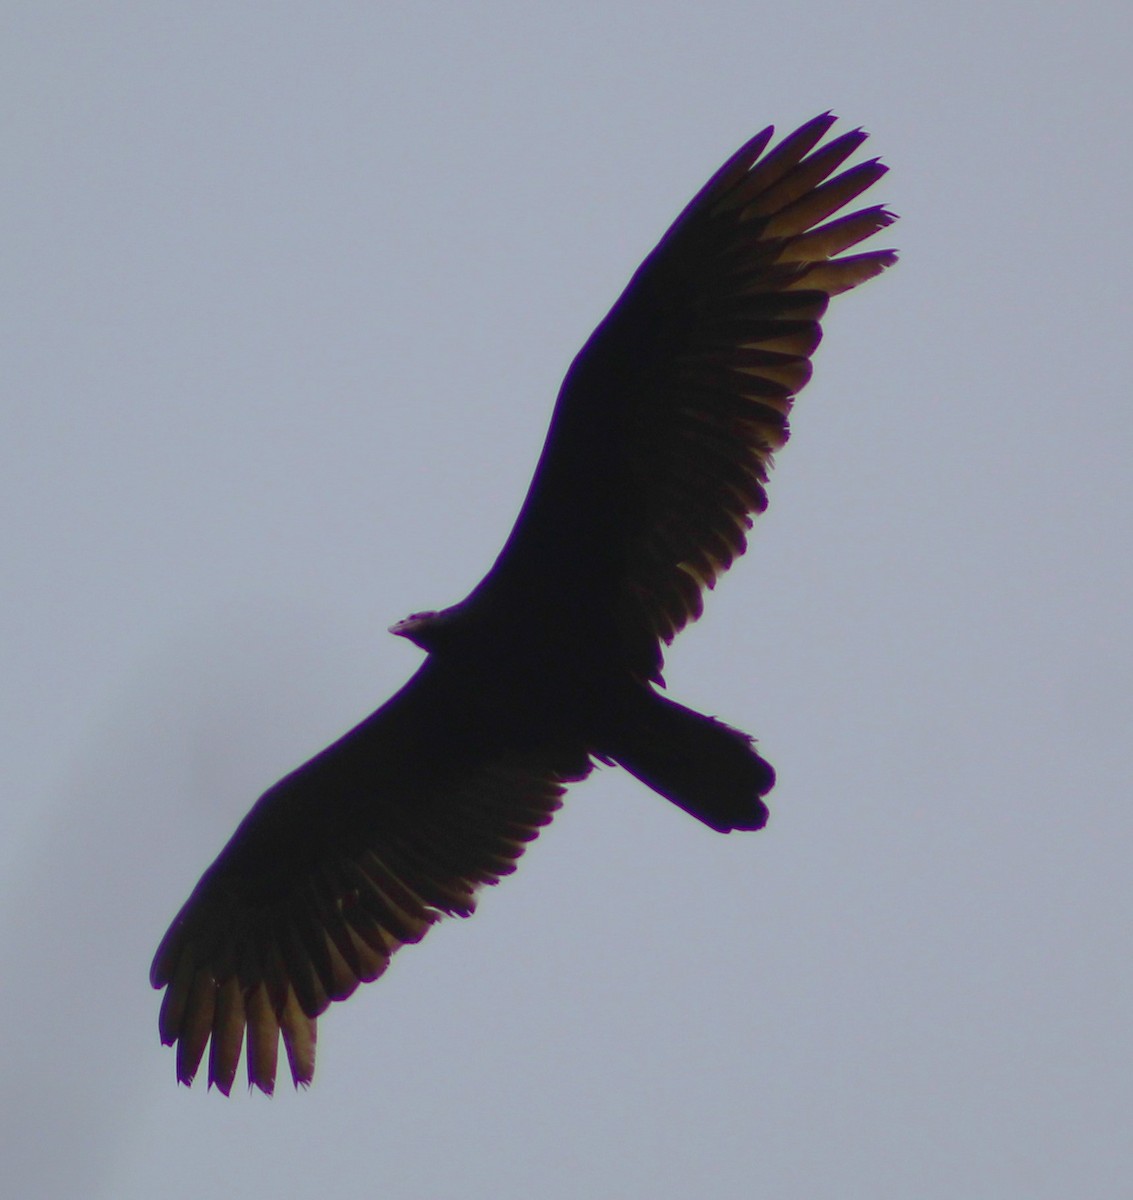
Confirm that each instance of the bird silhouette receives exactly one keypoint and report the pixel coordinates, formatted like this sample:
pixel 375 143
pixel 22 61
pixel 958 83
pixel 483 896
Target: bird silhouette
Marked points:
pixel 656 459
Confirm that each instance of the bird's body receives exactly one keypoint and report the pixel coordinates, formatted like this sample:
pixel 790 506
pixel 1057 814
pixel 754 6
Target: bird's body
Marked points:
pixel 657 456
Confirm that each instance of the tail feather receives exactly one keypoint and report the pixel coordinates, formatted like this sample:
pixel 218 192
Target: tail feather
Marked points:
pixel 702 765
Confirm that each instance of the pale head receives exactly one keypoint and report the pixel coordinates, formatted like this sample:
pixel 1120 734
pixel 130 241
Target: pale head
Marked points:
pixel 428 629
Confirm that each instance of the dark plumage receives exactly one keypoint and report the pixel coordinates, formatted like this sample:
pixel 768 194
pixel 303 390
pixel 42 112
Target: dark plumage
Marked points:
pixel 657 455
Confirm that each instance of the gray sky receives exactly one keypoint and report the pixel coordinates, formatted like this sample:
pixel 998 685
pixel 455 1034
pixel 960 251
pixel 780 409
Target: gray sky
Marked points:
pixel 288 293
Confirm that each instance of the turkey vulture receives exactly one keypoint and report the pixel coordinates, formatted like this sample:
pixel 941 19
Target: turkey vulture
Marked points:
pixel 657 456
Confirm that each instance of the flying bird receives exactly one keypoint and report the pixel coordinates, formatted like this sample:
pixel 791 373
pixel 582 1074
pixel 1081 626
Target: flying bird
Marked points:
pixel 656 459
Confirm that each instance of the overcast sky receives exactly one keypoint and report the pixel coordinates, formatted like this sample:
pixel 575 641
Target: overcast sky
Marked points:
pixel 288 293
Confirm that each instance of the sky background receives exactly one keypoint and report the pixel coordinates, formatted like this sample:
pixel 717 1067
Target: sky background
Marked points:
pixel 288 291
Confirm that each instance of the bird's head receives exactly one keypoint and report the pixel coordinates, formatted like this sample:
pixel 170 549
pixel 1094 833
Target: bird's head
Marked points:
pixel 426 629
pixel 416 627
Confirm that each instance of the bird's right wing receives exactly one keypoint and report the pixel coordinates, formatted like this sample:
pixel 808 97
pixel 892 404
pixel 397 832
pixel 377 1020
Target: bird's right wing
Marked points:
pixel 351 856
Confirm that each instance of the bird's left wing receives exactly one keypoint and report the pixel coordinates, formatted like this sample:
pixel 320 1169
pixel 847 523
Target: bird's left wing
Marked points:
pixel 664 430
pixel 351 856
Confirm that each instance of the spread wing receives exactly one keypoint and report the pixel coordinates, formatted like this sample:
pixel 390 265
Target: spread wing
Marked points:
pixel 343 861
pixel 664 430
